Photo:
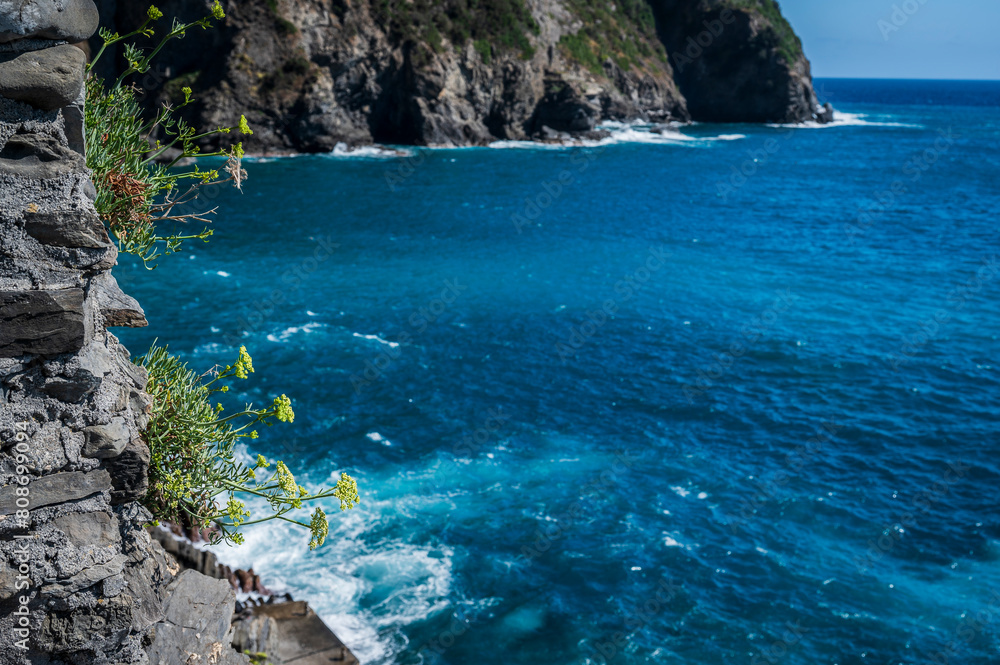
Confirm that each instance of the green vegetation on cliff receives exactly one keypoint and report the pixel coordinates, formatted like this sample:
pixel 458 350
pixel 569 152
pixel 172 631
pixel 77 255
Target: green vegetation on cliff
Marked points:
pixel 490 24
pixel 624 30
pixel 196 478
pixel 788 43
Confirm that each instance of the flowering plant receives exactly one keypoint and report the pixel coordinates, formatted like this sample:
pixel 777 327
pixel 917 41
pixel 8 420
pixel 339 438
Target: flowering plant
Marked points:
pixel 195 477
pixel 139 183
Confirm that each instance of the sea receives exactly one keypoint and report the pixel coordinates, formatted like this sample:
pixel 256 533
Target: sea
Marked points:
pixel 699 394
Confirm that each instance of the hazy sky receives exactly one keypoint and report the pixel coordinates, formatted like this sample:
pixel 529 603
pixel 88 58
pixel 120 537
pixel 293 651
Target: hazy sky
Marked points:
pixel 937 39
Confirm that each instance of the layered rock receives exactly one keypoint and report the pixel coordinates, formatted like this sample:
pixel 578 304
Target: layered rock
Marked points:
pixel 80 579
pixel 310 74
pixel 75 584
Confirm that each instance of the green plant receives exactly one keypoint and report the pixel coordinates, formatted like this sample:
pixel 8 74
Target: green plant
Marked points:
pixel 502 25
pixel 484 49
pixel 136 194
pixel 194 475
pixel 624 31
pixel 784 39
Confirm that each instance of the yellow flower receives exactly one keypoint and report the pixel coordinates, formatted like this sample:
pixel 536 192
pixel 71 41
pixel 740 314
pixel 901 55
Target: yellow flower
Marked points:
pixel 243 366
pixel 244 125
pixel 286 481
pixel 347 492
pixel 154 13
pixel 237 512
pixel 217 11
pixel 319 527
pixel 283 409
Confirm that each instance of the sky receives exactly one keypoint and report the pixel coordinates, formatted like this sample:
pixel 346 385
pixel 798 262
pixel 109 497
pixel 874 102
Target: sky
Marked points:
pixel 921 39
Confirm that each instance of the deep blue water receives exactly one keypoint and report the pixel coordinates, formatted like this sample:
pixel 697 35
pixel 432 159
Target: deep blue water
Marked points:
pixel 781 446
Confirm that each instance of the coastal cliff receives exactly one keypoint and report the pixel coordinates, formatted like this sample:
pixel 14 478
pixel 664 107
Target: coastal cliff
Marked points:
pixel 310 74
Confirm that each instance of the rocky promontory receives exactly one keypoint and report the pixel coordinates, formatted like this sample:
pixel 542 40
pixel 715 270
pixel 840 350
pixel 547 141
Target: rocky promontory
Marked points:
pixel 310 74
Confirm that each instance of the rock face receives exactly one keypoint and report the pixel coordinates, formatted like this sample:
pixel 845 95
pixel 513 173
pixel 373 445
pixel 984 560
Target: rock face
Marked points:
pixel 197 622
pixel 738 61
pixel 80 580
pixel 310 74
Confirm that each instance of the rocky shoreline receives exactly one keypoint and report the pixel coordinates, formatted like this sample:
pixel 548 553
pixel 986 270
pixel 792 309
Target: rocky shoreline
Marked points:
pixel 311 75
pixel 288 631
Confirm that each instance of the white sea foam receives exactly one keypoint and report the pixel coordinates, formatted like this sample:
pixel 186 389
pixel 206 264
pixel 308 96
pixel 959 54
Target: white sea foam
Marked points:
pixel 621 132
pixel 397 584
pixel 841 119
pixel 680 491
pixel 378 438
pixel 342 150
pixel 376 338
pixel 287 333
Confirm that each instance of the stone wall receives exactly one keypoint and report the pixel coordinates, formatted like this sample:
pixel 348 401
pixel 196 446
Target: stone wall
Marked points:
pixel 80 579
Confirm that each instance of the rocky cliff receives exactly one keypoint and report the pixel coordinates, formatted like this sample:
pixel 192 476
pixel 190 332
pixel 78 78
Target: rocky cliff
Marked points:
pixel 80 579
pixel 313 73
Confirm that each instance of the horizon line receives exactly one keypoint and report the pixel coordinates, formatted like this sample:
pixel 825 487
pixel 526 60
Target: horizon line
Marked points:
pixel 904 78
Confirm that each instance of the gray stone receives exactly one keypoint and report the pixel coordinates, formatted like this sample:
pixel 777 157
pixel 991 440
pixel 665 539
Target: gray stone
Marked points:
pixel 84 628
pixel 85 530
pixel 257 634
pixel 57 488
pixel 117 308
pixel 69 20
pixel 130 473
pixel 106 441
pixel 67 228
pixel 39 156
pixel 42 322
pixel 88 577
pixel 48 80
pixel 197 622
pixel 147 580
pixel 142 406
pixel 45 450
pixel 82 375
pixel 73 121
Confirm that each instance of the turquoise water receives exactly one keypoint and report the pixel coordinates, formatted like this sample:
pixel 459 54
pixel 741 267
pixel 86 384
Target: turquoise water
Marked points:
pixel 645 401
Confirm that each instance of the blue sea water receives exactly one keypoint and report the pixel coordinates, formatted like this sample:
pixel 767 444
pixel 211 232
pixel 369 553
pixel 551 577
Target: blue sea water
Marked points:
pixel 725 395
